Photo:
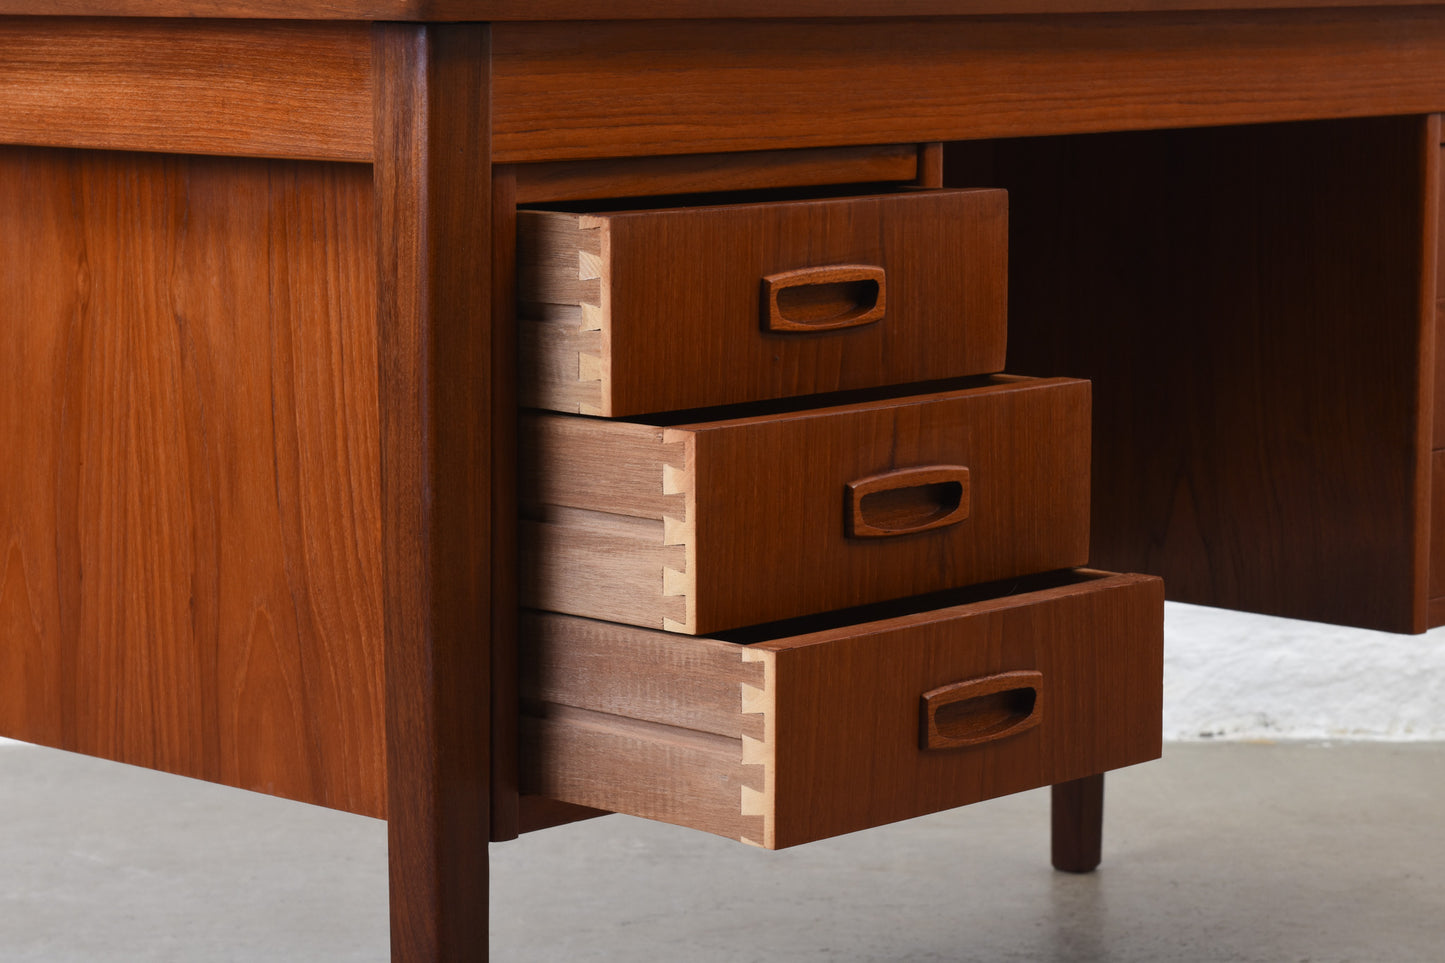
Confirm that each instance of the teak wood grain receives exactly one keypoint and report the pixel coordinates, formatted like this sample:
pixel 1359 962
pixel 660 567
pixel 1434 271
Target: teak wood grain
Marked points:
pixel 171 609
pixel 272 90
pixel 713 525
pixel 738 85
pixel 483 10
pixel 800 737
pixel 1438 434
pixel 505 814
pixel 1432 356
pixel 1437 527
pixel 1435 615
pixel 190 540
pixel 660 310
pixel 434 273
pixel 1256 343
pixel 699 173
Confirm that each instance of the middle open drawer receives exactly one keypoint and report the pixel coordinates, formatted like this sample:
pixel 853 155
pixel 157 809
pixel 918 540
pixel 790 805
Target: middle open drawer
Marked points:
pixel 712 525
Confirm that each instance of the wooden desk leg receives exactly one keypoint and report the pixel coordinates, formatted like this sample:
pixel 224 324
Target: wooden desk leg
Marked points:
pixel 1078 824
pixel 432 177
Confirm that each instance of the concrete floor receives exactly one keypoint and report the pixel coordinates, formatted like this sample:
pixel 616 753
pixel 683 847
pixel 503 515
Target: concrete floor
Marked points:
pixel 1220 852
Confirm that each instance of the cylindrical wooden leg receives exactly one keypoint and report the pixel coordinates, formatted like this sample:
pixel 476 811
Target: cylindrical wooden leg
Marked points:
pixel 1078 824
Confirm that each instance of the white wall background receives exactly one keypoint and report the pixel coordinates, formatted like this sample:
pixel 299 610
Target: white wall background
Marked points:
pixel 1230 675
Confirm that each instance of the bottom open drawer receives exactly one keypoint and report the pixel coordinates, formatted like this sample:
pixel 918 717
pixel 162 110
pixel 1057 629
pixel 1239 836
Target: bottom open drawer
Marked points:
pixel 821 726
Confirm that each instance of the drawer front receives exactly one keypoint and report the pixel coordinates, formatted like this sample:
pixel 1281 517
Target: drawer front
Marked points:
pixel 807 736
pixel 706 527
pixel 663 310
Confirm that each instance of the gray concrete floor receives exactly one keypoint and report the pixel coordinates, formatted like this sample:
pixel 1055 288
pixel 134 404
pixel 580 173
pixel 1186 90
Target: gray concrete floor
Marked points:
pixel 1226 852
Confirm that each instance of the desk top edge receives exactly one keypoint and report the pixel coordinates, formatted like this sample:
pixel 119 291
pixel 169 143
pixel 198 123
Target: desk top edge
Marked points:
pixel 541 10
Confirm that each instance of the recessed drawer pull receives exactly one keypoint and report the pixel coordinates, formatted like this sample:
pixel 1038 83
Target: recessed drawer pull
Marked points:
pixel 824 298
pixel 981 710
pixel 906 501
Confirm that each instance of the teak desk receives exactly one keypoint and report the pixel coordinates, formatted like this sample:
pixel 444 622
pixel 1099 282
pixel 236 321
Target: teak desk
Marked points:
pixel 228 549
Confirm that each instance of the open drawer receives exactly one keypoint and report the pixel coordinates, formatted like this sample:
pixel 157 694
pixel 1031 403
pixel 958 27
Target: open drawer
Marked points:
pixel 701 526
pixel 817 727
pixel 627 312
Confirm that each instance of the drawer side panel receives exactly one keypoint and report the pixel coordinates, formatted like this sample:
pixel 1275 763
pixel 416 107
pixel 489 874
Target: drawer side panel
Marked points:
pixel 619 669
pixel 657 772
pixel 607 566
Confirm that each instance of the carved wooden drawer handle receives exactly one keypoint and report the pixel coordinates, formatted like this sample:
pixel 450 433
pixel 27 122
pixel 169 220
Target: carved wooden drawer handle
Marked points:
pixel 824 298
pixel 981 710
pixel 906 501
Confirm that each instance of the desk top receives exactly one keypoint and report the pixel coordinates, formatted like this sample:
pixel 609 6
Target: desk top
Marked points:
pixel 639 9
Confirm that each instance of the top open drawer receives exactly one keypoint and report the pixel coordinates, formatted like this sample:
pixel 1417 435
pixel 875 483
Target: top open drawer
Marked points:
pixel 636 312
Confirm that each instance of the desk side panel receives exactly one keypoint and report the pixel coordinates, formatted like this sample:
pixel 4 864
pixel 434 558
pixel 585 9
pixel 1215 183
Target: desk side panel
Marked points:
pixel 190 569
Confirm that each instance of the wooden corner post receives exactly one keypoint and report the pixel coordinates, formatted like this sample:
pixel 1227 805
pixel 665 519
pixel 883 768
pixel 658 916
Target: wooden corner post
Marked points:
pixel 433 202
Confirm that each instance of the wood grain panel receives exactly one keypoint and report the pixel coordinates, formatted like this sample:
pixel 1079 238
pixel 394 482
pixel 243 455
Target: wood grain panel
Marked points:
pixel 594 665
pixel 189 516
pixel 607 567
pixel 672 775
pixel 1438 432
pixel 1099 647
pixel 713 86
pixel 503 791
pixel 629 9
pixel 1249 305
pixel 561 462
pixel 1437 529
pixel 768 553
pixel 434 281
pixel 697 173
pixel 274 90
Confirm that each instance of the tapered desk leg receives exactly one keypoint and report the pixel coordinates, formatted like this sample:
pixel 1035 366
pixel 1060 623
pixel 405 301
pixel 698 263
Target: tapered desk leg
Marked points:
pixel 432 176
pixel 1078 824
